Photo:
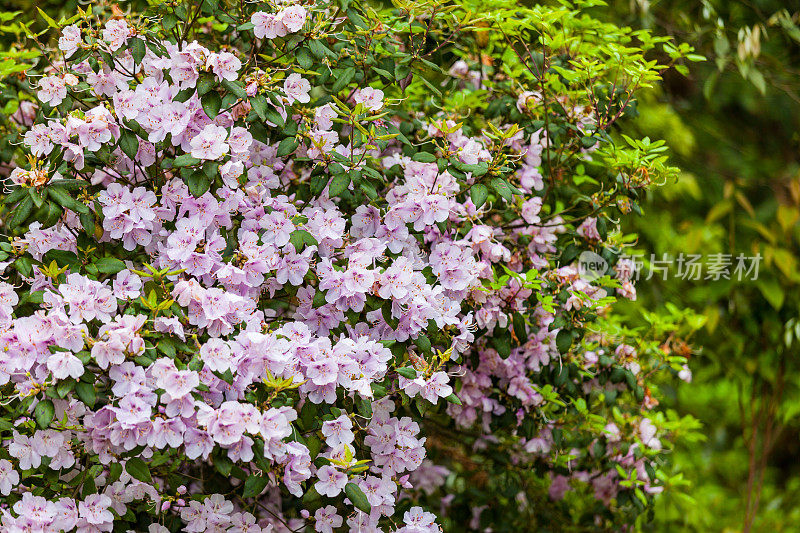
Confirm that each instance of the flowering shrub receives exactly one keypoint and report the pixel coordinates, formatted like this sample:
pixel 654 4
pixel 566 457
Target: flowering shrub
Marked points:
pixel 313 267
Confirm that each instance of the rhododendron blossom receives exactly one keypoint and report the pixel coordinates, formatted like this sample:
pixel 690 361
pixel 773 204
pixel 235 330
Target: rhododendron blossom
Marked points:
pixel 263 274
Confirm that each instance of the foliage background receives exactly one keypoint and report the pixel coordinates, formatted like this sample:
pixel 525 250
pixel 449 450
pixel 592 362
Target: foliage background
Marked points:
pixel 733 127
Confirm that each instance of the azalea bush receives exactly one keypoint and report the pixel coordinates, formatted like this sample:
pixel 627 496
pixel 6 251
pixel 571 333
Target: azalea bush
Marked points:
pixel 317 267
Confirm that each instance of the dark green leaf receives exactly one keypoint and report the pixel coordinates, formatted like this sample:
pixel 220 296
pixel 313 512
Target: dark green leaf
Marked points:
pixel 407 372
pixel 86 393
pixel 479 193
pixel 109 265
pixel 338 185
pixel 21 212
pixel 137 468
pixel 259 104
pixel 501 186
pixel 129 143
pixel 185 160
pixel 343 79
pixel 212 102
pixel 357 496
pixel 287 146
pixel 423 343
pixel 424 157
pixel 563 341
pixel 254 486
pixel 43 413
pixel 452 398
pixel 138 49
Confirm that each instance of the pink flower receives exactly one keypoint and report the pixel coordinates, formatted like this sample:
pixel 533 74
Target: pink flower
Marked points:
pixel 293 18
pixel 21 448
pixel 127 285
pixel 296 89
pixel 217 356
pixel 371 98
pixel 588 229
pixel 132 411
pixel 116 33
pixel 417 520
pixel 240 140
pixel 70 40
pixel 94 509
pixel 8 477
pixel 210 143
pixel 65 364
pixel 225 65
pixel 39 141
pixel 338 431
pixel 128 378
pixel 267 26
pixel 170 325
pixel 326 519
pixel 331 481
pixel 52 90
pixel 431 389
pixel 323 117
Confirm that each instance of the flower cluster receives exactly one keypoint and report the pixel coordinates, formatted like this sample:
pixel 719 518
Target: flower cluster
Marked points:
pixel 259 290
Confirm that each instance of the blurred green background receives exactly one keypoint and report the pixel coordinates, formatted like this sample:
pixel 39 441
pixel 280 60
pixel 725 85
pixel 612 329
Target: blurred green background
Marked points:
pixel 732 126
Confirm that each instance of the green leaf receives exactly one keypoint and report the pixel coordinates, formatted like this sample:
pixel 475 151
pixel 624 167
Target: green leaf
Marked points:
pixel 43 413
pixel 520 331
pixel 338 185
pixel 423 343
pixel 138 49
pixel 317 48
pixel 64 199
pixel 479 193
pixel 64 387
pixel 503 189
pixel 21 212
pixel 424 157
pixel 129 143
pixel 38 199
pixel 86 393
pixel 300 238
pixel 205 84
pixel 47 18
pixel 69 184
pixel 287 146
pixel 357 496
pixel 407 372
pixel 223 465
pixel 304 59
pixel 319 299
pixel 452 398
pixel 273 116
pixel 254 485
pixel 212 102
pixel 563 341
pixel 137 468
pixel 502 343
pixel 259 104
pixel 109 265
pixel 235 87
pixel 16 195
pixel 169 21
pixel 185 160
pixel 343 79
pixel 772 291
